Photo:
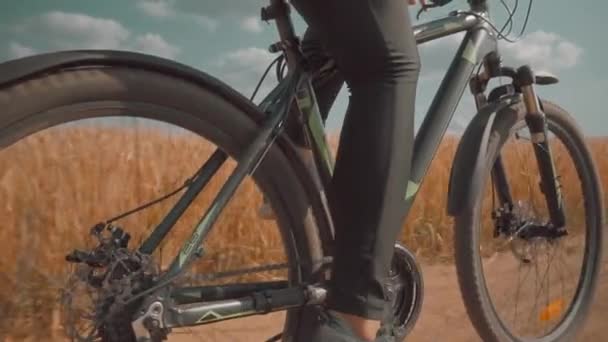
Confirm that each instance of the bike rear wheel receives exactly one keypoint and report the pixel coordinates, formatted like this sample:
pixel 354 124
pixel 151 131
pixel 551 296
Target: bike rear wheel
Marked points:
pixel 31 106
pixel 547 316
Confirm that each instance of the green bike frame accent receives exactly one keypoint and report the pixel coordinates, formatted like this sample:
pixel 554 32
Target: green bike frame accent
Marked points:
pixel 479 41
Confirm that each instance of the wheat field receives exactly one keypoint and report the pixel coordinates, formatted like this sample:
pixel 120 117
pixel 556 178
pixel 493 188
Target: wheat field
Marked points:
pixel 57 184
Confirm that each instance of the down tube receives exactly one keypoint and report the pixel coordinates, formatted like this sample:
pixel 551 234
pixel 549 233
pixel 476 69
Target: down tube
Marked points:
pixel 474 46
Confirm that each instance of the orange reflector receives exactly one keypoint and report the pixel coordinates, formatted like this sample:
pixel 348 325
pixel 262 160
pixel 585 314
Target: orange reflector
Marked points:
pixel 552 311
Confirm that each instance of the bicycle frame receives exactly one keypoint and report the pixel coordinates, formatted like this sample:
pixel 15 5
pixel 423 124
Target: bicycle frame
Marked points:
pixel 476 45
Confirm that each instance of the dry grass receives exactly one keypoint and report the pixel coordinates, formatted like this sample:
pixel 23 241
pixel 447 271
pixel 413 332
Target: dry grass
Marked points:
pixel 55 185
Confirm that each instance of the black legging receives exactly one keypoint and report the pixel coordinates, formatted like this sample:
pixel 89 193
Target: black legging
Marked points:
pixel 373 47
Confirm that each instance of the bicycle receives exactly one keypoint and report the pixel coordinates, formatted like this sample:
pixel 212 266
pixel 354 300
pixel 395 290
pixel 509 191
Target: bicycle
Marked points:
pixel 142 305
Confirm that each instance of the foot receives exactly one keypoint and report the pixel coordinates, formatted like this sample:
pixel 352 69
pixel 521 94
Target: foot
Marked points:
pixel 365 329
pixel 341 327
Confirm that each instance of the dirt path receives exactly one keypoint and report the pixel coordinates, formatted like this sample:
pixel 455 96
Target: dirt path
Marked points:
pixel 443 316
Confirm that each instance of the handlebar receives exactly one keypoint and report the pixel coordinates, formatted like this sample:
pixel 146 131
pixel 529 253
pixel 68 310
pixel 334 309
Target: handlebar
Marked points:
pixel 476 5
pixel 439 3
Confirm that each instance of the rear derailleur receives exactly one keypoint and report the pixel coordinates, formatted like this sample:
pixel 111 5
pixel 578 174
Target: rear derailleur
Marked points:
pixel 114 274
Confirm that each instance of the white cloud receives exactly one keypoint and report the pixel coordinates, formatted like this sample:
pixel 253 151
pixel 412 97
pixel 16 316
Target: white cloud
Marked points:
pixel 251 24
pixel 17 50
pixel 164 9
pixel 543 51
pixel 156 45
pixel 243 68
pixel 157 8
pixel 546 52
pixel 207 13
pixel 221 8
pixel 70 30
pixel 63 30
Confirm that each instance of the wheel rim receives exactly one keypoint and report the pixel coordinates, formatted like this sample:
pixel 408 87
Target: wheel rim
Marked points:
pixel 551 313
pixel 268 244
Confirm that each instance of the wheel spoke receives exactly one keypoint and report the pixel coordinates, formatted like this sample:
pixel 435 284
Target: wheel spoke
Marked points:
pixel 545 309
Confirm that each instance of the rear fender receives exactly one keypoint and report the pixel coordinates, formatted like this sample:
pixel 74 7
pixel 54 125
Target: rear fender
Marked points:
pixel 19 70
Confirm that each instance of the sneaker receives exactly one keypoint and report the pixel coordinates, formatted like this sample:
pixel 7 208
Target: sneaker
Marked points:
pixel 332 328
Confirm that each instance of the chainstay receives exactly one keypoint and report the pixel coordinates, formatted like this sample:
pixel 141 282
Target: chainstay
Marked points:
pixel 237 272
pixel 324 262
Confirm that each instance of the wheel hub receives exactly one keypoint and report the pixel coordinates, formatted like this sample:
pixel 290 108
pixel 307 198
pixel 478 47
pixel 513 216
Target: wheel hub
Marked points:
pixel 521 222
pixel 522 227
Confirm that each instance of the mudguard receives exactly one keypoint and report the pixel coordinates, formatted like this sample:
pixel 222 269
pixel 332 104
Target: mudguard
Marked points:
pixel 467 167
pixel 18 70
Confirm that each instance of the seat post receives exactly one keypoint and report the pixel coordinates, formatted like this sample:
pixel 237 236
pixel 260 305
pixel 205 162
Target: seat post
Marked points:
pixel 479 5
pixel 279 11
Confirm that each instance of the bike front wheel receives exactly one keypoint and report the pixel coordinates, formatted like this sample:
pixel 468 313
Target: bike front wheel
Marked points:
pixel 525 285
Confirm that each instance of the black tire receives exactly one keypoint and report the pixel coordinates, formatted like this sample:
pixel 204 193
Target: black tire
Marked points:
pixel 35 104
pixel 471 279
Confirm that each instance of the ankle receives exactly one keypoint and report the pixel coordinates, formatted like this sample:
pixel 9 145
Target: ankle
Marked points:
pixel 364 328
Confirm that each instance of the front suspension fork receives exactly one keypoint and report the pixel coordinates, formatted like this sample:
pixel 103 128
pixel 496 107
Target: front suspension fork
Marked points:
pixel 524 79
pixel 537 124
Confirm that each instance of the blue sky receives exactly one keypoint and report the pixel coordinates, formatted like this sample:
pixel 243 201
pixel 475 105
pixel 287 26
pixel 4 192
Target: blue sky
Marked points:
pixel 226 39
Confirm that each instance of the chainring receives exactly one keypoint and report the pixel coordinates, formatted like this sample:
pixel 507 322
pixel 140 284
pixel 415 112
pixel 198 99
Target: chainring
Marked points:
pixel 407 292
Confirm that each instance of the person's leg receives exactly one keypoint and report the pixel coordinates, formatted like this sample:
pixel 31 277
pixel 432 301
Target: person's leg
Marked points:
pixel 326 81
pixel 374 48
